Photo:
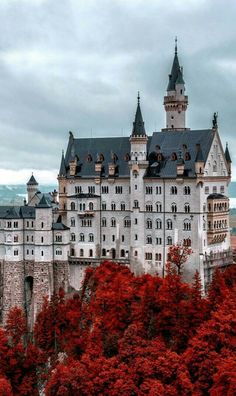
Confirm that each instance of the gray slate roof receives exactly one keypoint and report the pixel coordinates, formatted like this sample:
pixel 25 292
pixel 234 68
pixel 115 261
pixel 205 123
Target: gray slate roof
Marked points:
pixel 169 141
pixel 43 203
pixel 32 181
pixel 17 212
pixel 138 124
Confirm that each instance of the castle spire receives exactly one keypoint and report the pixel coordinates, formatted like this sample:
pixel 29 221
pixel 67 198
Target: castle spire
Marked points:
pixel 62 171
pixel 138 124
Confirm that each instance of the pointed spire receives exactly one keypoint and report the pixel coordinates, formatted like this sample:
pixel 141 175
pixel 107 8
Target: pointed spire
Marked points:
pixel 138 124
pixel 32 181
pixel 174 71
pixel 43 203
pixel 62 171
pixel 227 155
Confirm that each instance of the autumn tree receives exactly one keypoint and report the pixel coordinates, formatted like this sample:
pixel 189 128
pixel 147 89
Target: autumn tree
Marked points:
pixel 178 255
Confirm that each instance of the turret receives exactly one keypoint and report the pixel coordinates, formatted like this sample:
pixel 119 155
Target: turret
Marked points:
pixel 175 101
pixel 32 188
pixel 228 159
pixel 138 138
pixel 199 161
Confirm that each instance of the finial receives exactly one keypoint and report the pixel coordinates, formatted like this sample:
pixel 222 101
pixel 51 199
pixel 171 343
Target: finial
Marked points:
pixel 226 144
pixel 62 153
pixel 138 97
pixel 214 121
pixel 176 40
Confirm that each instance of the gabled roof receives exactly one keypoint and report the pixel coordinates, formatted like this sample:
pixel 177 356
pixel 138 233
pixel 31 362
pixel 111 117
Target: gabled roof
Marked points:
pixel 58 225
pixel 199 156
pixel 62 171
pixel 12 213
pixel 138 124
pixel 32 181
pixel 17 212
pixel 43 203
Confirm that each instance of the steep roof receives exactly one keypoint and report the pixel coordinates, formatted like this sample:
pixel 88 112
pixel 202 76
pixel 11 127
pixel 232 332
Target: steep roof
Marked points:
pixel 62 171
pixel 199 156
pixel 176 75
pixel 32 181
pixel 227 155
pixel 17 212
pixel 43 203
pixel 59 226
pixel 169 142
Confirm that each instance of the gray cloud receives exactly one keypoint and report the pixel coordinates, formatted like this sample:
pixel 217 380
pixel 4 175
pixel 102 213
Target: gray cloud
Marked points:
pixel 77 65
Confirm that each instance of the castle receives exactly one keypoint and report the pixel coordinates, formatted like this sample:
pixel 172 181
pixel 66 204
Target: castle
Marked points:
pixel 126 199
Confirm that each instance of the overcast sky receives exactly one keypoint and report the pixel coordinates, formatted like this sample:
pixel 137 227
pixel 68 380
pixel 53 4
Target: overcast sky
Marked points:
pixel 78 64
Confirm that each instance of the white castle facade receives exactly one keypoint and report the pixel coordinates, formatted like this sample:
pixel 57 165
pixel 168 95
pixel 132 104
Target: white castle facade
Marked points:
pixel 126 199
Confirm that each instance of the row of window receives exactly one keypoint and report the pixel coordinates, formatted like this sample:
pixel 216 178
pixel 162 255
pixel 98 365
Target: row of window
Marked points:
pixel 214 189
pixel 173 190
pixel 169 224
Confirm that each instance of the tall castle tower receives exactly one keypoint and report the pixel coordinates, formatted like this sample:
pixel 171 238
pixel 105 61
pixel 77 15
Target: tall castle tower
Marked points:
pixel 175 101
pixel 32 188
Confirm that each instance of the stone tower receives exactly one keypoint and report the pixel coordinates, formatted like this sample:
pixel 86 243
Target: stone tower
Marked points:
pixel 138 166
pixel 175 101
pixel 32 188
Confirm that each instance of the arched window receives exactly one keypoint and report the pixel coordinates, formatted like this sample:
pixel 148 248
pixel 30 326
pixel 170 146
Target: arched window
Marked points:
pixel 187 208
pixel 136 204
pixel 58 238
pixel 90 205
pixel 158 207
pixel 173 190
pixel 149 240
pixel 127 222
pixel 187 242
pixel 81 252
pixel 187 190
pixel 90 252
pixel 149 224
pixel 58 252
pixel 113 222
pixel 91 237
pixel 104 222
pixel 104 252
pixel 81 237
pixel 187 225
pixel 72 206
pixel 122 206
pixel 72 237
pixel 158 256
pixel 149 207
pixel 159 224
pixel 113 206
pixel 72 222
pixel 169 240
pixel 173 157
pixel 104 206
pixel 169 224
pixel 173 208
pixel 122 253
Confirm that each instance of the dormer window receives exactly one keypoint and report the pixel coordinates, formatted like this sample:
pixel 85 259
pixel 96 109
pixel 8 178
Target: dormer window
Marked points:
pixel 159 157
pixel 173 157
pixel 101 157
pixel 127 157
pixel 187 156
pixel 89 158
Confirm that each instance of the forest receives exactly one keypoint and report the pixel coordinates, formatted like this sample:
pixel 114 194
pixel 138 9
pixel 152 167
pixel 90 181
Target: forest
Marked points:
pixel 126 335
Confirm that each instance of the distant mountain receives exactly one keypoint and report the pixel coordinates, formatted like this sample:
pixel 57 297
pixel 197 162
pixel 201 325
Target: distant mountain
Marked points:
pixel 15 194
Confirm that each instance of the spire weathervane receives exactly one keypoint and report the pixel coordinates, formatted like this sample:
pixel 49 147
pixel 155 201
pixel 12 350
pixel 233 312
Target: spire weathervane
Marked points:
pixel 138 97
pixel 176 40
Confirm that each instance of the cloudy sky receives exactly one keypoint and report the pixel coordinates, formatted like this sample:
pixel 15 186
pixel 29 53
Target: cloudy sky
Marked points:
pixel 78 64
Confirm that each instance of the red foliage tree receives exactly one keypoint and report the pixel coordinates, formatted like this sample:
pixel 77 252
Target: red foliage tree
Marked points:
pixel 178 255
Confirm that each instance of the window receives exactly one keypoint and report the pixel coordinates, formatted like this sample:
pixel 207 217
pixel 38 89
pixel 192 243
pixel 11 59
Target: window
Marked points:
pixel 42 253
pixel 27 238
pixel 113 222
pixel 16 253
pixel 86 223
pixel 159 224
pixel 149 207
pixel 91 189
pixel 158 207
pixel 9 224
pixel 105 190
pixel 27 252
pixel 78 190
pixel 15 238
pixel 148 256
pixel 113 206
pixel 81 237
pixel 104 238
pixel 148 190
pixel 187 208
pixel 58 238
pixel 158 241
pixel 27 224
pixel 41 239
pixel 169 240
pixel 187 225
pixel 81 252
pixel 149 224
pixel 72 222
pixel 104 206
pixel 149 240
pixel 118 190
pixel 158 189
pixel 81 206
pixel 135 186
pixel 42 225
pixel 32 252
pixel 214 166
pixel 104 222
pixel 113 238
pixel 222 189
pixel 173 190
pixel 206 190
pixel 104 252
pixel 15 224
pixel 32 238
pixel 187 190
pixel 72 237
pixel 136 204
pixel 127 222
pixel 90 205
pixel 122 253
pixel 90 252
pixel 136 237
pixel 187 242
pixel 122 238
pixel 158 256
pixel 214 189
pixel 58 252
pixel 72 206
pixel 173 208
pixel 135 221
pixel 169 224
pixel 135 253
pixel 122 206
